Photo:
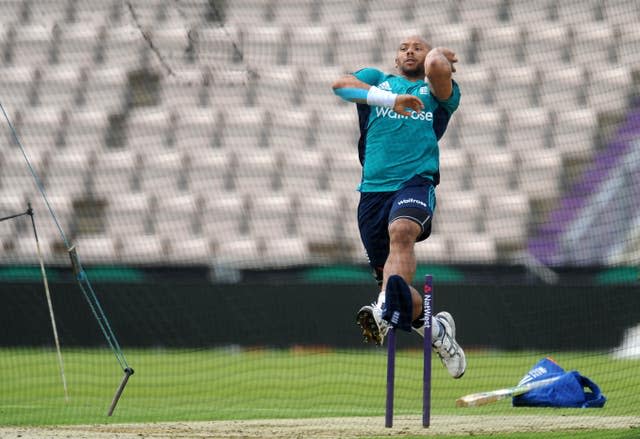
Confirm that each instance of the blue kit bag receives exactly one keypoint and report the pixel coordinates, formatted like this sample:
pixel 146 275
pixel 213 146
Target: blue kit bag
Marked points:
pixel 398 307
pixel 570 389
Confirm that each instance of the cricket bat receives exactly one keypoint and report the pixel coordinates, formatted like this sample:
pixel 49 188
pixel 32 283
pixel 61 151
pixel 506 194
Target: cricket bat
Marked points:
pixel 484 398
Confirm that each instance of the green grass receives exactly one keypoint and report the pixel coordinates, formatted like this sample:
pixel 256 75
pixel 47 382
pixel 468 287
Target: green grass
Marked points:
pixel 217 384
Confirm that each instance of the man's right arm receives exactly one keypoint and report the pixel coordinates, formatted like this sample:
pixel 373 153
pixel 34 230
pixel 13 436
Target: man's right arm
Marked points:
pixel 352 89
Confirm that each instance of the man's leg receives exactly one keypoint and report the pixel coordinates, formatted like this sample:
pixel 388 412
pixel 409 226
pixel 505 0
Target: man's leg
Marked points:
pixel 402 259
pixel 410 221
pixel 373 211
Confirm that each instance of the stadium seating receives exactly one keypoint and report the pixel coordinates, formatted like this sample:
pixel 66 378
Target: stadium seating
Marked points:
pixel 299 12
pixel 96 248
pixel 195 130
pixel 528 129
pixel 185 251
pixel 58 86
pixel 38 127
pixel 547 44
pixel 86 128
pixel 246 136
pixel 481 126
pixel 148 248
pixel 77 44
pixel 507 218
pixel 62 206
pixel 501 45
pixel 516 86
pixel 147 129
pixel 186 88
pixel 209 171
pixel 540 172
pixel 609 88
pixel 18 86
pixel 239 253
pixel 480 80
pixel 30 44
pixel 314 83
pixel 256 172
pixel 285 252
pixel 459 212
pixel 271 215
pixel 22 249
pixel 66 171
pixel 359 46
pixel 163 173
pixel 224 218
pixel 115 172
pixel 477 247
pixel 178 215
pixel 563 88
pixel 290 129
pixel 304 169
pixel 574 132
pixel 434 250
pixel 337 130
pixel 318 216
pixel 128 215
pixel 243 127
pixel 106 88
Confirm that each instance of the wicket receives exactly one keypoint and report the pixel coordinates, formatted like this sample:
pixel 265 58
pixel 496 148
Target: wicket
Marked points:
pixel 426 375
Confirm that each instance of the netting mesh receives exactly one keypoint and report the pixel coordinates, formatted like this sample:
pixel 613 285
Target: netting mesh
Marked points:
pixel 189 133
pixel 209 103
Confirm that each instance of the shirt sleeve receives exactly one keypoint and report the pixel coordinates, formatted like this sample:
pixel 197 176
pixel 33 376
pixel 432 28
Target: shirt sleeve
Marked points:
pixel 369 76
pixel 453 102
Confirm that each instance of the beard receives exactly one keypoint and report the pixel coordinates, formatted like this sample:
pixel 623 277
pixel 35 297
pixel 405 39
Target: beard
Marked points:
pixel 416 71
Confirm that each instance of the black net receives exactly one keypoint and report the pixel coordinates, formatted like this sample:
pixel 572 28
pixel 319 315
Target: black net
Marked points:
pixel 195 154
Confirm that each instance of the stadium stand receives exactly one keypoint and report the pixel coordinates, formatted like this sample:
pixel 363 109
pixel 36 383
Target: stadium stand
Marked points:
pixel 137 101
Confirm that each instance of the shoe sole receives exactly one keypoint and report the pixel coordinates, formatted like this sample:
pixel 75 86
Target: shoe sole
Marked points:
pixel 370 330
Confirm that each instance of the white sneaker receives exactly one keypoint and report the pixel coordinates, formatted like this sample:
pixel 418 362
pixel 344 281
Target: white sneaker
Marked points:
pixel 374 327
pixel 447 348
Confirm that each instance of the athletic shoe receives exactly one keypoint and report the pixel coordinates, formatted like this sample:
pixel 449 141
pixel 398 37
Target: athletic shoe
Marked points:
pixel 374 327
pixel 447 348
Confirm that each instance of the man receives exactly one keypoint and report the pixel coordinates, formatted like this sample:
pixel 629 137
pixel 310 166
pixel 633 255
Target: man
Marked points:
pixel 401 119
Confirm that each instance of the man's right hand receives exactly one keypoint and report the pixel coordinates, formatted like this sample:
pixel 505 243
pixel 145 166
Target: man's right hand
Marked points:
pixel 407 101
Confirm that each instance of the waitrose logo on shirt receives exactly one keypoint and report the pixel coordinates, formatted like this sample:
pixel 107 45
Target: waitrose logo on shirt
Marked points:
pixel 389 113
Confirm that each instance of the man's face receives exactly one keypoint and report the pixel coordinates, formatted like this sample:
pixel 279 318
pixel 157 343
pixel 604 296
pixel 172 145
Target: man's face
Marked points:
pixel 411 55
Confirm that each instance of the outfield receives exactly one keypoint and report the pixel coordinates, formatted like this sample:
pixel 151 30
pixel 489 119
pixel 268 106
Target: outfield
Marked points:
pixel 294 388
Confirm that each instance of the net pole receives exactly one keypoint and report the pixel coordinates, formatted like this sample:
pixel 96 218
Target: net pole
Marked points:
pixel 81 277
pixel 127 373
pixel 52 316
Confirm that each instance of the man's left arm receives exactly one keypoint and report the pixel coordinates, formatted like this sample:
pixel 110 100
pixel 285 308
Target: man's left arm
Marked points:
pixel 439 68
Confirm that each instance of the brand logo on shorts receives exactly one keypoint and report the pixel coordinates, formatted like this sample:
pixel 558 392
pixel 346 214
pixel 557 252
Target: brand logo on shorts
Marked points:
pixel 412 201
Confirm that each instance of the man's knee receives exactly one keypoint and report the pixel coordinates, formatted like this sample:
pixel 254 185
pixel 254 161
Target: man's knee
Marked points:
pixel 404 231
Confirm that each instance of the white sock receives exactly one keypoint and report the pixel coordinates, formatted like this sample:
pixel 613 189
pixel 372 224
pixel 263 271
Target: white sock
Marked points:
pixel 381 298
pixel 437 330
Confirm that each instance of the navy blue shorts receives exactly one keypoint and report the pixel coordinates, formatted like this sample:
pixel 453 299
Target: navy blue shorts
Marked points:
pixel 415 201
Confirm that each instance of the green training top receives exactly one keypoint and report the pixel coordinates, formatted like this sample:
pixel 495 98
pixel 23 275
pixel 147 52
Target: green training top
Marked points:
pixel 394 148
